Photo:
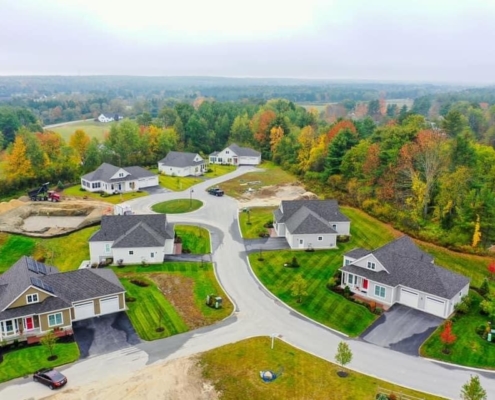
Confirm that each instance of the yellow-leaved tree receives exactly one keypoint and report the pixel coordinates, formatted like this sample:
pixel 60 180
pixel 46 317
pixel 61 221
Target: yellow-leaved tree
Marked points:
pixel 17 164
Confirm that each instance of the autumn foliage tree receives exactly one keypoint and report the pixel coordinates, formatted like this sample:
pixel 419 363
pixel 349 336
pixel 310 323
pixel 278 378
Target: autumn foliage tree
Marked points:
pixel 491 269
pixel 17 164
pixel 79 141
pixel 447 337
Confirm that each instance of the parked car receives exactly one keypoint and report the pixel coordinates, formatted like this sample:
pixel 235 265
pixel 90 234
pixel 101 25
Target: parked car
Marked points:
pixel 216 191
pixel 50 377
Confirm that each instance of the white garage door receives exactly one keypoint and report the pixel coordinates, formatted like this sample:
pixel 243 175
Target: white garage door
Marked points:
pixel 109 305
pixel 435 306
pixel 84 310
pixel 409 298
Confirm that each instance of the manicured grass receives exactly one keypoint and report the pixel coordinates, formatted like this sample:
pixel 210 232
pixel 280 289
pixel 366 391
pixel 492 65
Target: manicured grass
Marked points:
pixel 234 370
pixel 219 170
pixel 469 349
pixel 177 206
pixel 75 191
pixel 194 238
pixel 252 223
pixel 271 175
pixel 92 128
pixel 177 183
pixel 144 312
pixel 64 252
pixel 29 359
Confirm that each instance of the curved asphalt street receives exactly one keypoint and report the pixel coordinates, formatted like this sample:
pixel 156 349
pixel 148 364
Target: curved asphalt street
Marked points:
pixel 257 312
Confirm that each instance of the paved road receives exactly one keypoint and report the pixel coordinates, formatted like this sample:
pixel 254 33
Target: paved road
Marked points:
pixel 257 312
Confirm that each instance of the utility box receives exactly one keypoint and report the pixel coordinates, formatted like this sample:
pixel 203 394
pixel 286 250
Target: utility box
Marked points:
pixel 214 301
pixel 122 209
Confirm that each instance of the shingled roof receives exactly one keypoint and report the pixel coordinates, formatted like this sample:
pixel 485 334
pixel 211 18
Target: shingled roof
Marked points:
pixel 149 230
pixel 409 266
pixel 309 216
pixel 180 159
pixel 105 172
pixel 244 151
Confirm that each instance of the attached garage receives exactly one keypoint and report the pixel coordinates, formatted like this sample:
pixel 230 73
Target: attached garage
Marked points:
pixel 435 306
pixel 109 305
pixel 84 310
pixel 409 298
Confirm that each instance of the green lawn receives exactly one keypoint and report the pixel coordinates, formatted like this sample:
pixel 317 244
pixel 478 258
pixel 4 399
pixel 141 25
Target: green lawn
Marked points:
pixel 177 183
pixel 194 238
pixel 92 128
pixel 75 191
pixel 64 252
pixel 469 349
pixel 177 206
pixel 252 223
pixel 219 170
pixel 145 311
pixel 271 175
pixel 234 370
pixel 29 359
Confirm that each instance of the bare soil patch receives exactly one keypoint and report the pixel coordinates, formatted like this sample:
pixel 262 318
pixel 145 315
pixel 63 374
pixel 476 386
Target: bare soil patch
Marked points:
pixel 179 291
pixel 272 195
pixel 176 379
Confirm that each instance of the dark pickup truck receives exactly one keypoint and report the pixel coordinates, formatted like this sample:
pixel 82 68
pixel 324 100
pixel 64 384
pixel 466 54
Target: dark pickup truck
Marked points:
pixel 216 192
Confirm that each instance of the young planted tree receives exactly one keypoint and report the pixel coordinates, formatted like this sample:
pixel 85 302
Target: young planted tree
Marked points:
pixel 298 288
pixel 343 357
pixel 447 337
pixel 49 341
pixel 472 390
pixel 491 269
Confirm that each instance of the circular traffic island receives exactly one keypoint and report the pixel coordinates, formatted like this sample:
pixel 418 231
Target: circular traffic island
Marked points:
pixel 178 206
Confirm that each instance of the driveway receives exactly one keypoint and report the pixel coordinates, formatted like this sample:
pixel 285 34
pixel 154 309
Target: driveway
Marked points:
pixel 253 245
pixel 105 334
pixel 156 190
pixel 402 329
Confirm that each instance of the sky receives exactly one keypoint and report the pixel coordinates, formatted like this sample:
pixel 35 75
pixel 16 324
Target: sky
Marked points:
pixel 383 40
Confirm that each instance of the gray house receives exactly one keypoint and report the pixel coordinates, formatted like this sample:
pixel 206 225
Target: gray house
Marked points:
pixel 132 239
pixel 179 163
pixel 400 272
pixel 310 223
pixel 111 179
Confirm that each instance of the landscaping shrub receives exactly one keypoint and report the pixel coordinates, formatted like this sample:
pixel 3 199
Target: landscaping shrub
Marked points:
pixel 269 224
pixel 343 238
pixel 484 288
pixel 129 299
pixel 186 250
pixel 347 292
pixel 392 396
pixel 481 330
pixel 378 311
pixel 263 234
pixel 139 282
pixel 372 306
pixel 309 250
pixel 332 282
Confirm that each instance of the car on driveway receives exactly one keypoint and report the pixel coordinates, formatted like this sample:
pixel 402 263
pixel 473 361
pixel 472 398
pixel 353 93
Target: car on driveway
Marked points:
pixel 50 377
pixel 216 192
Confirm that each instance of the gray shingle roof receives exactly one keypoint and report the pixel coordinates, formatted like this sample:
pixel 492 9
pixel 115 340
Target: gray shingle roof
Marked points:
pixel 305 221
pixel 181 159
pixel 357 253
pixel 409 266
pixel 105 172
pixel 49 304
pixel 215 153
pixel 116 227
pixel 244 151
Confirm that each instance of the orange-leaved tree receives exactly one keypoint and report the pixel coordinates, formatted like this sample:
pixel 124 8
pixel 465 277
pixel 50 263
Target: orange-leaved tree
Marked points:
pixel 491 269
pixel 447 337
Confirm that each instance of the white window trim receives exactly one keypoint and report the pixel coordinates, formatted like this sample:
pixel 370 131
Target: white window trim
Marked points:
pixel 320 238
pixel 55 316
pixel 378 289
pixel 32 296
pixel 131 252
pixel 371 265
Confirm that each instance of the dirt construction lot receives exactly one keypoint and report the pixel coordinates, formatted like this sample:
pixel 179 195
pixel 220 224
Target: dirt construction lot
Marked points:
pixel 267 196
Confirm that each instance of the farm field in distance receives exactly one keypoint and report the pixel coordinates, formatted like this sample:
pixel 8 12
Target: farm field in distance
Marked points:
pixel 92 128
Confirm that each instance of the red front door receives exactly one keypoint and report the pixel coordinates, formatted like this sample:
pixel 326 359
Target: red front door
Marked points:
pixel 365 283
pixel 29 323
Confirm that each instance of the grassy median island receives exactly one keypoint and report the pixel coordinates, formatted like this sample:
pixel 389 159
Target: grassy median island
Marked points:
pixel 174 298
pixel 178 206
pixel 26 360
pixel 234 370
pixel 75 191
pixel 195 240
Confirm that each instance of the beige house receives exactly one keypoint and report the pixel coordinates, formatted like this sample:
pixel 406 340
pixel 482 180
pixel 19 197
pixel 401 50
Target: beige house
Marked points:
pixel 36 298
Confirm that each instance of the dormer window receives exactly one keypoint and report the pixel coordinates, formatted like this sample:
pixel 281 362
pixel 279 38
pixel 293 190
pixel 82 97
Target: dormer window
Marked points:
pixel 32 298
pixel 371 265
pixel 121 174
pixel 227 152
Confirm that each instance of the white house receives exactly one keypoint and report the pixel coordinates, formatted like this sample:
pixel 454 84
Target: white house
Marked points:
pixel 236 155
pixel 310 223
pixel 178 163
pixel 104 118
pixel 111 179
pixel 400 272
pixel 132 239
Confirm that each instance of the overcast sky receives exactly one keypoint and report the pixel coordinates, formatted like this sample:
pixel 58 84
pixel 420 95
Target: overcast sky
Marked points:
pixel 406 40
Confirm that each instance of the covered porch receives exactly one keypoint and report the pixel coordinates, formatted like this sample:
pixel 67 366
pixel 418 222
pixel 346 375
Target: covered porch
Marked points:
pixel 19 328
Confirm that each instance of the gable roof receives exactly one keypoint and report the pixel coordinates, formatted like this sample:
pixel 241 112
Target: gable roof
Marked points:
pixel 306 221
pixel 105 172
pixel 357 253
pixel 181 159
pixel 149 230
pixel 409 266
pixel 243 151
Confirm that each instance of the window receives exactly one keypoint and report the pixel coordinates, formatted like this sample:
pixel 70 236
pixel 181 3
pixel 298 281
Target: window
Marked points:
pixel 320 238
pixel 227 152
pixel 334 227
pixel 350 278
pixel 32 298
pixel 131 252
pixel 229 160
pixel 213 159
pixel 379 291
pixel 152 255
pixel 107 248
pixel 55 319
pixel 219 160
pixel 121 174
pixel 7 326
pixel 347 261
pixel 371 265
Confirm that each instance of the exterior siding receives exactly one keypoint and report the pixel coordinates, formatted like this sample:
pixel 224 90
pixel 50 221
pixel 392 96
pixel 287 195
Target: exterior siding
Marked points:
pixel 97 249
pixel 122 301
pixel 66 320
pixel 186 171
pixel 329 241
pixel 169 248
pixel 363 263
pixel 356 287
pixel 343 228
pixel 139 255
pixel 22 301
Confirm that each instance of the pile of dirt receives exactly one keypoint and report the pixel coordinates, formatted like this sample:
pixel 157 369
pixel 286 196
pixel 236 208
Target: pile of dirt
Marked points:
pixel 10 205
pixel 176 379
pixel 268 196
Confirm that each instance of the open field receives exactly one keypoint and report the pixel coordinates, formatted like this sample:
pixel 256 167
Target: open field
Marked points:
pixel 234 370
pixel 93 129
pixel 219 170
pixel 177 183
pixel 75 191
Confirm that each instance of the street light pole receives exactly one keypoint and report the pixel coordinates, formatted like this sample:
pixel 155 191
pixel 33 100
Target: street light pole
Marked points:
pixel 190 198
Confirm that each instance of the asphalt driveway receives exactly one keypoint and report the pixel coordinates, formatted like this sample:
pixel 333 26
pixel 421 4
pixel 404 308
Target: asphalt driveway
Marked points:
pixel 105 334
pixel 402 329
pixel 271 243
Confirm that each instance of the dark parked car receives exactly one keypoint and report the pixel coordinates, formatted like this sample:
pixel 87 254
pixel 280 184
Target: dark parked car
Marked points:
pixel 216 191
pixel 50 377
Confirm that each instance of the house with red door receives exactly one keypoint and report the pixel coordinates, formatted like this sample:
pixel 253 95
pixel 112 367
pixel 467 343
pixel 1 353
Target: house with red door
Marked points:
pixel 400 272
